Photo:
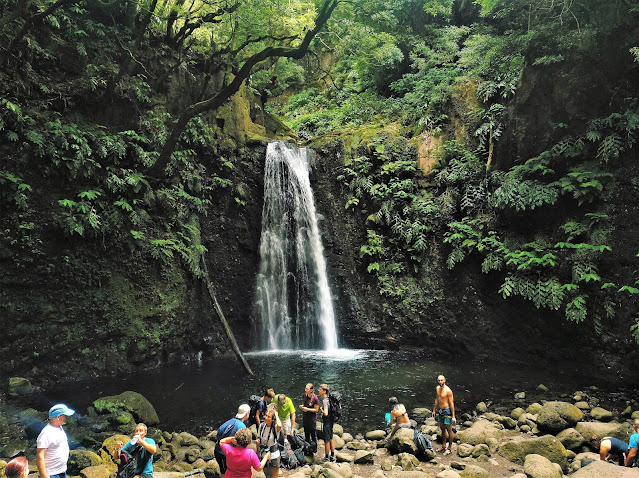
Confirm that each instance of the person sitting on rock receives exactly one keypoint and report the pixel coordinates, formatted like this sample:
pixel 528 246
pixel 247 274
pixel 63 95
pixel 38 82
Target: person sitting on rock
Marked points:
pixel 146 447
pixel 398 417
pixel 631 459
pixel 610 447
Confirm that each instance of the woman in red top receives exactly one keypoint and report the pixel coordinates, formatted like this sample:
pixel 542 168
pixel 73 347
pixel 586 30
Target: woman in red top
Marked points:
pixel 239 459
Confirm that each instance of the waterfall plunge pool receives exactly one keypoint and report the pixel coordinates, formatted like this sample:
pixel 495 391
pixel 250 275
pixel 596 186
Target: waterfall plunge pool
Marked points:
pixel 200 397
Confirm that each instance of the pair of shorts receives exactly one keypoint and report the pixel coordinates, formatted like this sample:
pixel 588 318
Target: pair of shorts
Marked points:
pixel 327 428
pixel 444 416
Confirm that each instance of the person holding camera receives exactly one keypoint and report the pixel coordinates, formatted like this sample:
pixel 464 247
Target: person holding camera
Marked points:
pixel 239 458
pixel 267 437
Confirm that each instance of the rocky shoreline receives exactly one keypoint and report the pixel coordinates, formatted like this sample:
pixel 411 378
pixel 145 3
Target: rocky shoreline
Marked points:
pixel 540 436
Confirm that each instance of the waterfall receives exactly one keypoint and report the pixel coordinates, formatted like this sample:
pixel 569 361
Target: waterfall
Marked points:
pixel 293 297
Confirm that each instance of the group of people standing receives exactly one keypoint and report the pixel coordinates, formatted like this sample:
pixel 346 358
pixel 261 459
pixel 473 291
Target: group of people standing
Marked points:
pixel 275 420
pixel 236 453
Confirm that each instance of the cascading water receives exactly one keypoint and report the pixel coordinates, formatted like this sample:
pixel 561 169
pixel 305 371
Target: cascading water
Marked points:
pixel 293 296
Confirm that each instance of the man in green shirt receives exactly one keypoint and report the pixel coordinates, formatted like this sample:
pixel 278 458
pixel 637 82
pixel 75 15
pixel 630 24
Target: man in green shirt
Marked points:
pixel 286 411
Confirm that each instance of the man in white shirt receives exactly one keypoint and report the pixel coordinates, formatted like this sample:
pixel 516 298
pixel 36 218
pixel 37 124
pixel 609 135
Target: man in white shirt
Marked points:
pixel 52 444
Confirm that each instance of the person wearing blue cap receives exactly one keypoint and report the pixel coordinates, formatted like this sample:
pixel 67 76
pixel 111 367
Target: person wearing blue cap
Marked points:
pixel 52 444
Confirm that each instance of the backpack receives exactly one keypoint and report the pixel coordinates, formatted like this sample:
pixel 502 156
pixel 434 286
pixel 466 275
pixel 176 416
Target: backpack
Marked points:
pixel 423 444
pixel 289 460
pixel 334 406
pixel 297 441
pixel 254 402
pixel 128 463
pixel 299 454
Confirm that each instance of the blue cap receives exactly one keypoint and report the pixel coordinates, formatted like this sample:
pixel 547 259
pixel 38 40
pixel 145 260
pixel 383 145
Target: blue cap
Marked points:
pixel 60 409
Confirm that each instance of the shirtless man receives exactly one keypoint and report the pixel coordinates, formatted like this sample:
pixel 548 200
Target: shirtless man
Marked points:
pixel 444 408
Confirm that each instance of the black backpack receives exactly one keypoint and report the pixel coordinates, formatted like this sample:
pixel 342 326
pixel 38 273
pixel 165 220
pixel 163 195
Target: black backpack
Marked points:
pixel 423 444
pixel 297 441
pixel 334 406
pixel 289 460
pixel 253 402
pixel 128 463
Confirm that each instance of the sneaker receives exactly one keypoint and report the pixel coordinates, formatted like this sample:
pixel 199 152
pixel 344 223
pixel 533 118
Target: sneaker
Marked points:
pixel 447 452
pixel 326 459
pixel 333 459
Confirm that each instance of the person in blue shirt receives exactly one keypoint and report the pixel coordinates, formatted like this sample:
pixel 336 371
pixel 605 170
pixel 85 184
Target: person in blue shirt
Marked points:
pixel 147 447
pixel 228 429
pixel 631 459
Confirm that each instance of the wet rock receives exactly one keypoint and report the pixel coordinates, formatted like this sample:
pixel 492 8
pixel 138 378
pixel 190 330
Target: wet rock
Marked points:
pixel 338 441
pixel 570 438
pixel 581 405
pixel 507 422
pixel 347 437
pixel 131 402
pixel 97 471
pixel 480 432
pixel 474 471
pixel 601 414
pixel 481 407
pixel 520 395
pixel 375 434
pixel 516 413
pixel 557 416
pixel 537 466
pixel 363 457
pixel 548 446
pixel 81 459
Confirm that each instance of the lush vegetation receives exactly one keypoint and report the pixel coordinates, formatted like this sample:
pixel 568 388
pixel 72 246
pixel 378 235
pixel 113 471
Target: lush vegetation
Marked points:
pixel 543 221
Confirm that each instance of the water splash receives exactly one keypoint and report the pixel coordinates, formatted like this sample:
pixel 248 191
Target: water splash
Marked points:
pixel 293 297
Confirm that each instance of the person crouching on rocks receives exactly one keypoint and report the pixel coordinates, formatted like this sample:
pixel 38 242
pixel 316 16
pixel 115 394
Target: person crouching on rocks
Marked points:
pixel 148 448
pixel 268 434
pixel 239 458
pixel 399 417
pixel 610 447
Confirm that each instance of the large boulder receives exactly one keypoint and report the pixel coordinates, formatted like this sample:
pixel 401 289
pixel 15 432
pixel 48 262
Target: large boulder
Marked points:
pixel 548 446
pixel 570 438
pixel 603 469
pixel 363 457
pixel 611 429
pixel 81 459
pixel 474 471
pixel 557 416
pixel 19 386
pixel 375 435
pixel 407 461
pixel 402 442
pixel 131 402
pixel 537 466
pixel 481 432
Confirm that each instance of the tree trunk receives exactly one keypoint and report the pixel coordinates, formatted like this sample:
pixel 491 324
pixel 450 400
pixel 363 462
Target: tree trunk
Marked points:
pixel 220 314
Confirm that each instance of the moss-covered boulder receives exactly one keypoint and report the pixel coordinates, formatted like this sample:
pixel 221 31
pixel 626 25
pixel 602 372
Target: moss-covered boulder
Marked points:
pixel 19 386
pixel 601 414
pixel 13 447
pixel 98 471
pixel 402 442
pixel 132 402
pixel 548 446
pixel 570 438
pixel 557 416
pixel 474 471
pixel 603 469
pixel 81 459
pixel 481 432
